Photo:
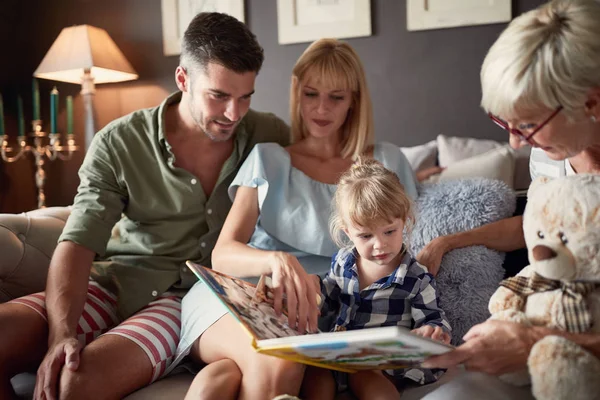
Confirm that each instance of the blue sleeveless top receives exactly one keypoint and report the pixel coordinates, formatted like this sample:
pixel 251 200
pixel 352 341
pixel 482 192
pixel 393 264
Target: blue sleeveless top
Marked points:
pixel 295 209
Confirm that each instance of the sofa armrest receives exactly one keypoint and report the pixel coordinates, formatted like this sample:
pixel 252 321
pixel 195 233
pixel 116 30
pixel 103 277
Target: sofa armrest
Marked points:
pixel 27 242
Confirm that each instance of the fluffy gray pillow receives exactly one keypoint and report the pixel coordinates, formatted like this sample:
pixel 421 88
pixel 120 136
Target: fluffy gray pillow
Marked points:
pixel 468 276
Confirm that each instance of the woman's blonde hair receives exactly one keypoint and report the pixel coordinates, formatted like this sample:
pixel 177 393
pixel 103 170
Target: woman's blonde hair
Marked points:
pixel 368 194
pixel 544 58
pixel 335 63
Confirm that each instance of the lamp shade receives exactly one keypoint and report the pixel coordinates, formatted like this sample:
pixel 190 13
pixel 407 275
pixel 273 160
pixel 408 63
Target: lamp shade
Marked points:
pixel 85 48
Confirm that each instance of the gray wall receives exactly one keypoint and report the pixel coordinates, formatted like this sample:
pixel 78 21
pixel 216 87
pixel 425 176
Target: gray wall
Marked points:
pixel 422 83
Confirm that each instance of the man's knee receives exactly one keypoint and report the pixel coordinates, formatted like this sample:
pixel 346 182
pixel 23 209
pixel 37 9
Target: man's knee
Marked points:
pixel 75 384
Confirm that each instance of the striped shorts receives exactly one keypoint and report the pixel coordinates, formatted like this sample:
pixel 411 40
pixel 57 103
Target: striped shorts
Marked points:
pixel 155 328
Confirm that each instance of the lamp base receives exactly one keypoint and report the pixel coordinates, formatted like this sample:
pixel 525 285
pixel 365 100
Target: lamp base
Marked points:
pixel 88 90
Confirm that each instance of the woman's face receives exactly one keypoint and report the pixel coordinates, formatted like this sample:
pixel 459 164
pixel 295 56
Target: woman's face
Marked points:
pixel 559 138
pixel 323 108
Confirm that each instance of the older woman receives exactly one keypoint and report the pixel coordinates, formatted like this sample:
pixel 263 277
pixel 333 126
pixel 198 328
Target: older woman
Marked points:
pixel 541 83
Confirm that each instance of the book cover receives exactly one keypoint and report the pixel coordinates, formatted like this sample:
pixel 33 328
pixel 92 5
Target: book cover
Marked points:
pixel 388 347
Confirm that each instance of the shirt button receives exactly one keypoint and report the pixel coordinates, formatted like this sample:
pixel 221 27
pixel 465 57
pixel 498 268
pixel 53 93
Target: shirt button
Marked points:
pixel 203 244
pixel 193 181
pixel 154 293
pixel 209 211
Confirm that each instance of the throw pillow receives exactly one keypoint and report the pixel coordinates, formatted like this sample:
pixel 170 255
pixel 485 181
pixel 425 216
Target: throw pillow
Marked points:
pixel 470 275
pixel 422 156
pixel 498 163
pixel 453 149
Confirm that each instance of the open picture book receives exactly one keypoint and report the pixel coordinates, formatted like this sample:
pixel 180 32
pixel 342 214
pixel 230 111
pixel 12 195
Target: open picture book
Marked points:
pixel 390 347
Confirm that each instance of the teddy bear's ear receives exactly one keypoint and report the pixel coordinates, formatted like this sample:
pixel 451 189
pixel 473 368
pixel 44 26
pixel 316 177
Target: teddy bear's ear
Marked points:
pixel 536 184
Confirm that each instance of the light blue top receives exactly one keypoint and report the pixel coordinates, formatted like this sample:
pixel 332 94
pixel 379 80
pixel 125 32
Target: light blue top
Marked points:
pixel 295 209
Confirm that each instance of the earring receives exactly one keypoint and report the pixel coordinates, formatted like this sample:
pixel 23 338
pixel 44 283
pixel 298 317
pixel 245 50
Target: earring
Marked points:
pixel 593 118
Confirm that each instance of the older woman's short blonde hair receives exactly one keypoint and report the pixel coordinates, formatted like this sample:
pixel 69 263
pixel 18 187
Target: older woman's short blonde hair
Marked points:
pixel 368 194
pixel 335 63
pixel 544 58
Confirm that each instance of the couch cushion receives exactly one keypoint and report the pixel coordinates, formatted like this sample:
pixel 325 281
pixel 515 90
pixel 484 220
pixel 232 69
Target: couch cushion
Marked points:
pixel 28 241
pixel 422 156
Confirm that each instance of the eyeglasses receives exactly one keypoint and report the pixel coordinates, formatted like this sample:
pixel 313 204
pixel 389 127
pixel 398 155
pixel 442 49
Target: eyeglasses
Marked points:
pixel 524 137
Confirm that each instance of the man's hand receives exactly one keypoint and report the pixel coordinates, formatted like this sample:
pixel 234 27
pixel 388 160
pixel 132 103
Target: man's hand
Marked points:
pixel 494 347
pixel 63 353
pixel 431 255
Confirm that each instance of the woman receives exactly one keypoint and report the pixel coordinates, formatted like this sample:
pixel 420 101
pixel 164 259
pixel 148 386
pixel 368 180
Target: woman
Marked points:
pixel 278 222
pixel 540 82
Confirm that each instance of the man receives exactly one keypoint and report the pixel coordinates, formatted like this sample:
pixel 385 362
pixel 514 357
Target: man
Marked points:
pixel 167 169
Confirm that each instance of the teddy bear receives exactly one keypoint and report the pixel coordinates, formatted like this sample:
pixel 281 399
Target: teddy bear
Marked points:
pixel 560 288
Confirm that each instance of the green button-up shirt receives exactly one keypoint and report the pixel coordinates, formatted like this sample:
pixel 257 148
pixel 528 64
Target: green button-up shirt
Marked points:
pixel 167 218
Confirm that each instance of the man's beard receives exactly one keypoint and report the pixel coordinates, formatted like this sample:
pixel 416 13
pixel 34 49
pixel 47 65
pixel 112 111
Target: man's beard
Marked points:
pixel 222 135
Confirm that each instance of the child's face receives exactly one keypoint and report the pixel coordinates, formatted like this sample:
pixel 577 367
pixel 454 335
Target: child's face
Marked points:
pixel 381 244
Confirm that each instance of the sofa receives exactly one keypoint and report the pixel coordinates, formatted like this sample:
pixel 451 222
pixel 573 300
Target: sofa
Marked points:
pixel 27 242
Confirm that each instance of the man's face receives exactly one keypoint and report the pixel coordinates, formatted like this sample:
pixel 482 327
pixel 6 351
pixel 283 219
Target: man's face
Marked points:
pixel 218 99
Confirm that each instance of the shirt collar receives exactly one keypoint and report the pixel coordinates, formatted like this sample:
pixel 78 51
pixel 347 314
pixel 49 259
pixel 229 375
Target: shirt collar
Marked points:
pixel 348 262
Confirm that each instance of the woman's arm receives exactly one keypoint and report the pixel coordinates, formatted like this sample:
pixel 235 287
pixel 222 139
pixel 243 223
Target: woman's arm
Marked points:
pixel 503 235
pixel 233 256
pixel 498 347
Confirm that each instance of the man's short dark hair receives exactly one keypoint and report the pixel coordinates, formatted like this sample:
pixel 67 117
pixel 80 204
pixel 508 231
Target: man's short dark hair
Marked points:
pixel 220 38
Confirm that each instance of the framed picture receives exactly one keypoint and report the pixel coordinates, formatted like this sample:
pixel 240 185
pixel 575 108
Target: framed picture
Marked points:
pixel 436 14
pixel 307 20
pixel 177 14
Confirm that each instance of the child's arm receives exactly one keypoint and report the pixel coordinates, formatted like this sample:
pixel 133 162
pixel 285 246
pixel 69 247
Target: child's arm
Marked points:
pixel 425 308
pixel 330 289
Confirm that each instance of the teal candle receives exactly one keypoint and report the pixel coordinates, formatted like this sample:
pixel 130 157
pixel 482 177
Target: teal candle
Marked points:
pixel 1 116
pixel 36 100
pixel 20 116
pixel 53 110
pixel 69 115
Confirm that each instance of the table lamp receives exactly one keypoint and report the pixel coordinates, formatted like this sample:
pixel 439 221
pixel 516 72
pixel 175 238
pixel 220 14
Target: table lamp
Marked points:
pixel 87 55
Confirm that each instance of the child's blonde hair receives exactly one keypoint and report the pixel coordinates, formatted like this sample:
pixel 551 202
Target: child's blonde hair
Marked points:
pixel 368 194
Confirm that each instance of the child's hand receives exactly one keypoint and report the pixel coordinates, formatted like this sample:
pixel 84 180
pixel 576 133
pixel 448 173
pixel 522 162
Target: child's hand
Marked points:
pixel 433 332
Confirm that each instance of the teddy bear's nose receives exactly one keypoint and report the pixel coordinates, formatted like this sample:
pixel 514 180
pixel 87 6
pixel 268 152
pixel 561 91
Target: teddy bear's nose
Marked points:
pixel 541 253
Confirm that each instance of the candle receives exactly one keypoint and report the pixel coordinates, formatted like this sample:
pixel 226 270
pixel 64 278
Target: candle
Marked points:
pixel 36 100
pixel 1 116
pixel 20 116
pixel 53 110
pixel 69 115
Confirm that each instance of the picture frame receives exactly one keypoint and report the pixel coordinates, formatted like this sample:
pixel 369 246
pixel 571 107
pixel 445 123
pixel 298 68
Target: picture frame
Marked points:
pixel 301 21
pixel 177 14
pixel 438 14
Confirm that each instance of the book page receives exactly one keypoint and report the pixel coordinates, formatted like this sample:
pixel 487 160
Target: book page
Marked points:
pixel 256 313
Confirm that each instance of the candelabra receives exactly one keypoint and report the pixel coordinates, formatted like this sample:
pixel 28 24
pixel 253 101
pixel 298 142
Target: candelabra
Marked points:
pixel 51 149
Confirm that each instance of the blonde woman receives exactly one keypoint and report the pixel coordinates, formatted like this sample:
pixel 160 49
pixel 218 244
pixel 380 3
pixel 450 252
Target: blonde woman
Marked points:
pixel 541 83
pixel 278 222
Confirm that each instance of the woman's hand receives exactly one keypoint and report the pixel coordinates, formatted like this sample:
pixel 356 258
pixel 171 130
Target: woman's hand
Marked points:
pixel 289 277
pixel 433 332
pixel 431 255
pixel 494 347
pixel 424 174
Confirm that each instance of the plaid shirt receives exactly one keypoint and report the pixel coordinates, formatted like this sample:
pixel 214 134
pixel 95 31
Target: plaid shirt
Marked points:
pixel 407 297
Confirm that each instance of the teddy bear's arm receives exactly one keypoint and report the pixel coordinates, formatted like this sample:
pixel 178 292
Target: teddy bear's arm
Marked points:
pixel 506 299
